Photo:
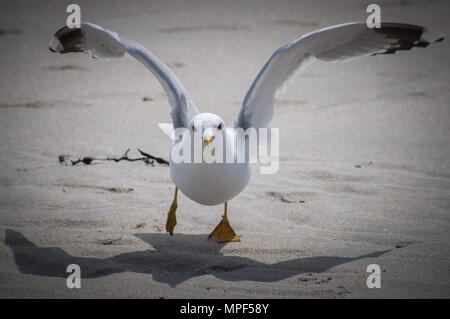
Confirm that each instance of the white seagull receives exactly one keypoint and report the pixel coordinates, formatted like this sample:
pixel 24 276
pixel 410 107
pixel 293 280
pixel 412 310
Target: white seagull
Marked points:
pixel 217 183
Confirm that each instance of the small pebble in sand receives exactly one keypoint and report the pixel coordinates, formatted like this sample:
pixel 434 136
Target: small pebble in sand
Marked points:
pixel 141 225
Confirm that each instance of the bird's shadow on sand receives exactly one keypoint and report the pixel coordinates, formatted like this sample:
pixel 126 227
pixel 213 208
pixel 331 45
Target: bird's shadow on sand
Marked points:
pixel 173 261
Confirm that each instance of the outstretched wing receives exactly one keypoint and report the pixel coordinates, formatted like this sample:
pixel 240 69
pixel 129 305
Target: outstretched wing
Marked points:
pixel 103 43
pixel 337 43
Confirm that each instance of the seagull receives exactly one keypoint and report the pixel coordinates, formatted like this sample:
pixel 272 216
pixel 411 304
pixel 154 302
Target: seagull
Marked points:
pixel 217 183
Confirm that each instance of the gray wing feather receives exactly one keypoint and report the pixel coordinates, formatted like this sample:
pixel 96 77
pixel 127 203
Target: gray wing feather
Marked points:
pixel 337 43
pixel 105 44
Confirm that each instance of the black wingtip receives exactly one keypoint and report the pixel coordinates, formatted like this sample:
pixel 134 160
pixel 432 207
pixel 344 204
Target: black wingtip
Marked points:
pixel 67 40
pixel 407 36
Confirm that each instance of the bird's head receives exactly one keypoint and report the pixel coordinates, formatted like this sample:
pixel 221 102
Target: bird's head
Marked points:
pixel 208 125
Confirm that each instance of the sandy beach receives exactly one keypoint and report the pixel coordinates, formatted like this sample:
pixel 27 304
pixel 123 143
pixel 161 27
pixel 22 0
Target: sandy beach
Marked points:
pixel 364 173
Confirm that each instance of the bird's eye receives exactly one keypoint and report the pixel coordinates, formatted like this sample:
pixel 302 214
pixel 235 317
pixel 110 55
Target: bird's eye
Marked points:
pixel 220 126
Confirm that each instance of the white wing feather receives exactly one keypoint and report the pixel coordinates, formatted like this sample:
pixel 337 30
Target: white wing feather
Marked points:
pixel 106 44
pixel 337 43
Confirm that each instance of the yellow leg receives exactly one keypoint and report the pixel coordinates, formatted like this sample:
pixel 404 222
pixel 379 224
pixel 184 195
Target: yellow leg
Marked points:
pixel 171 216
pixel 223 231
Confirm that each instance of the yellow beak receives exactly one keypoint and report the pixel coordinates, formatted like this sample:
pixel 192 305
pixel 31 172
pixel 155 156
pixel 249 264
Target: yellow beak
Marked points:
pixel 207 138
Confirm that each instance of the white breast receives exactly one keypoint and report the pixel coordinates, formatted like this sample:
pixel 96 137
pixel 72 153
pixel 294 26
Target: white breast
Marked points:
pixel 210 184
